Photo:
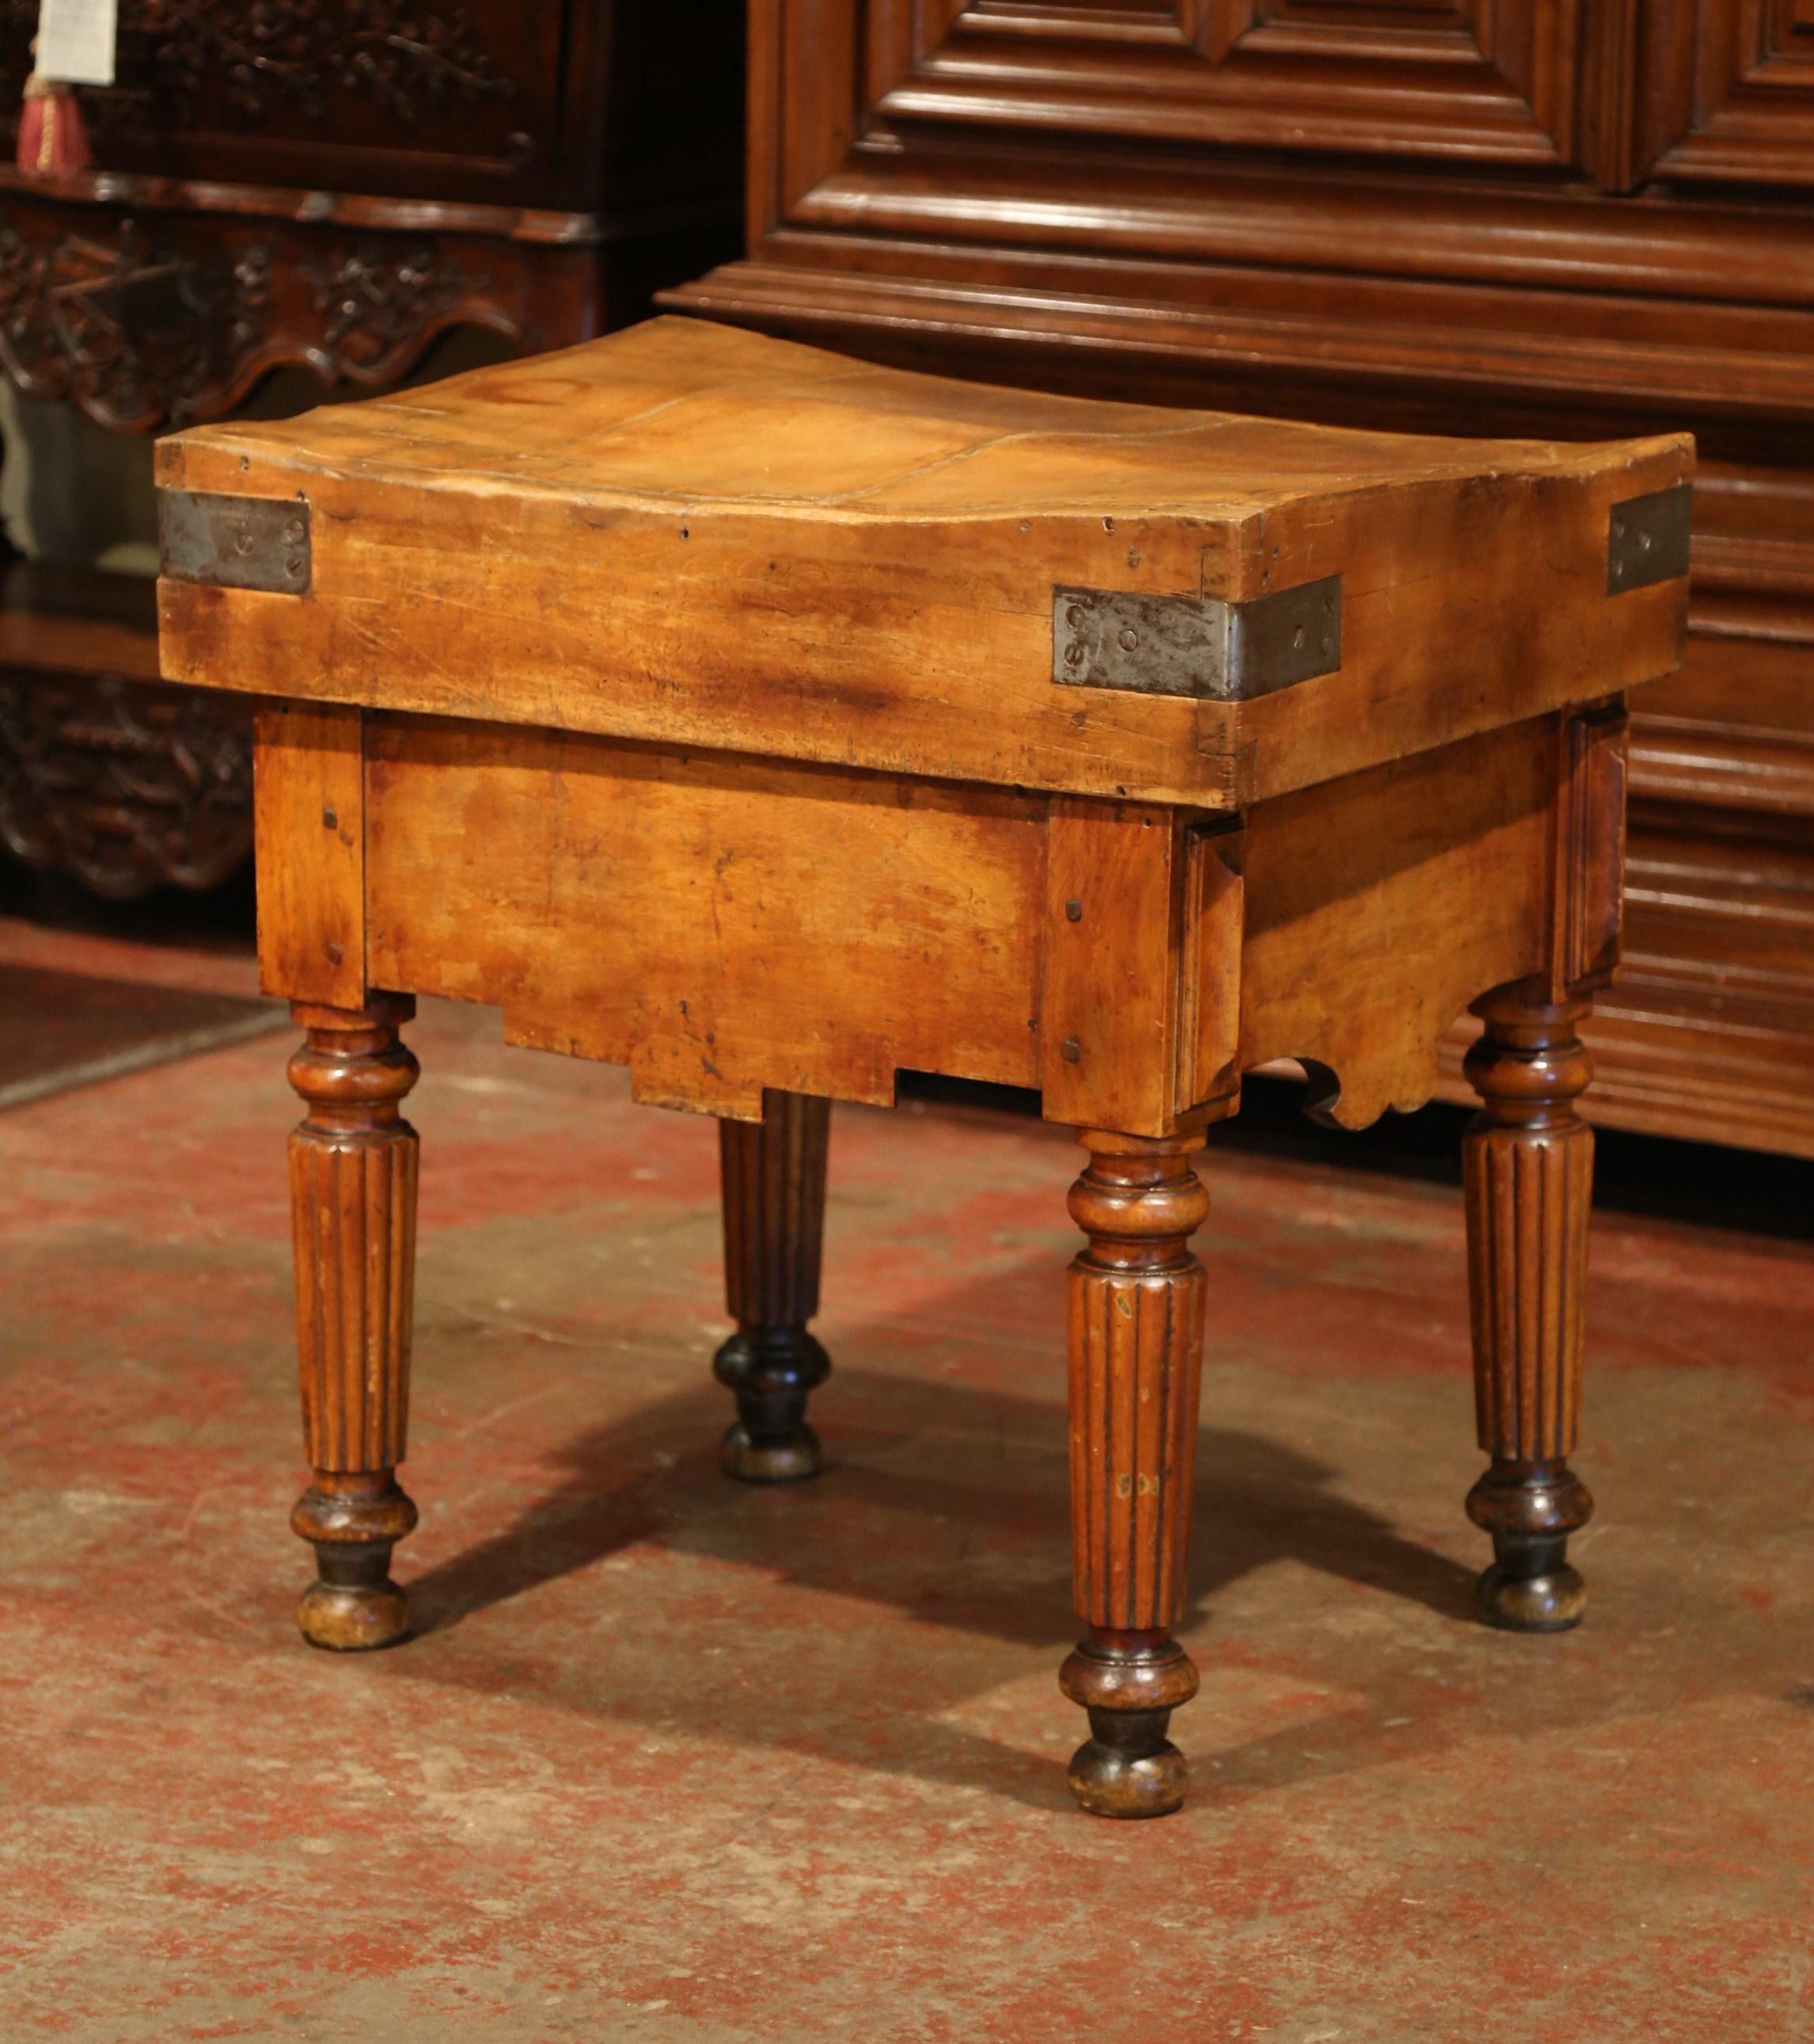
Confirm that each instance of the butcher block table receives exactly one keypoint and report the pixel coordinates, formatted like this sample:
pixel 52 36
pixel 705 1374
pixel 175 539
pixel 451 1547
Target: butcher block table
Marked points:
pixel 773 724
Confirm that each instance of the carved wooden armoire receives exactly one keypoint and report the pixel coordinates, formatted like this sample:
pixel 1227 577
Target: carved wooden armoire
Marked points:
pixel 1551 217
pixel 328 185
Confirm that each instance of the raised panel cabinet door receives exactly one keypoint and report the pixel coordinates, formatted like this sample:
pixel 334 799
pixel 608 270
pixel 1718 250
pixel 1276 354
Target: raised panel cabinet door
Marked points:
pixel 1725 92
pixel 1512 82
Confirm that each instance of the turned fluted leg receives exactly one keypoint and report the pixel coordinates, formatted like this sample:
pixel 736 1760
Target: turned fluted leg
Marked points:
pixel 774 1223
pixel 1529 1176
pixel 352 1186
pixel 1136 1342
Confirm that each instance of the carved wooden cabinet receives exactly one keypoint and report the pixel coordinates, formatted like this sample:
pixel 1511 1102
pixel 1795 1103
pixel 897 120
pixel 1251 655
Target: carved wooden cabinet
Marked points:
pixel 1576 217
pixel 327 184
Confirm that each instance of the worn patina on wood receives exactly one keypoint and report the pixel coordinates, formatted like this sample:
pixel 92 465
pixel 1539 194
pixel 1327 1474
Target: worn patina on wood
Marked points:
pixel 704 703
pixel 696 536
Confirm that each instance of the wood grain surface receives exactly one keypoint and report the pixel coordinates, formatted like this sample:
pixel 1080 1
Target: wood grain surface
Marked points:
pixel 1528 1161
pixel 310 837
pixel 691 535
pixel 353 1173
pixel 719 925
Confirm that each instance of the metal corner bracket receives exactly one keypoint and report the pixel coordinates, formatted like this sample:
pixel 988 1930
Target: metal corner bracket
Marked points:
pixel 1202 647
pixel 258 542
pixel 1646 539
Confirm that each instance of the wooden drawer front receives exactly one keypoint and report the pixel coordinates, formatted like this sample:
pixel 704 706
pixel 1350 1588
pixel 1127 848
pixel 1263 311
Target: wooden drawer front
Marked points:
pixel 461 102
pixel 716 924
pixel 1412 888
pixel 148 317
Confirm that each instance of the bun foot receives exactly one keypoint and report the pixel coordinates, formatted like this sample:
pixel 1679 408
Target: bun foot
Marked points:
pixel 352 1522
pixel 354 1618
pixel 1530 1509
pixel 1128 1683
pixel 772 1370
pixel 787 1458
pixel 1129 1768
pixel 1551 1602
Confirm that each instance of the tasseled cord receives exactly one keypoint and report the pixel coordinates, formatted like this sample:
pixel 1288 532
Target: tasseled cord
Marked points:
pixel 52 141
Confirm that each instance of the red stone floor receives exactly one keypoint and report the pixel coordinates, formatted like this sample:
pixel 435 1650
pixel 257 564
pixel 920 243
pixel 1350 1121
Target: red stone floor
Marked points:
pixel 676 1763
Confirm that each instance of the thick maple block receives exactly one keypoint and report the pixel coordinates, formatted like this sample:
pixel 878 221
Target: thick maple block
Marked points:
pixel 695 536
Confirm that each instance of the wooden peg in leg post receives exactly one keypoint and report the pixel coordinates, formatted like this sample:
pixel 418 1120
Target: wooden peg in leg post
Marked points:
pixel 1136 1302
pixel 352 1183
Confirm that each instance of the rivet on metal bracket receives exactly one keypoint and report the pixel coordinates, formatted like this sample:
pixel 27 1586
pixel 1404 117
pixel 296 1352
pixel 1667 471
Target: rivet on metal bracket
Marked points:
pixel 1204 647
pixel 236 542
pixel 1646 539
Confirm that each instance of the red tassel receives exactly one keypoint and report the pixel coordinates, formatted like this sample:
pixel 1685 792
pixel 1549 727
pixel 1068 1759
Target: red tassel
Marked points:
pixel 52 141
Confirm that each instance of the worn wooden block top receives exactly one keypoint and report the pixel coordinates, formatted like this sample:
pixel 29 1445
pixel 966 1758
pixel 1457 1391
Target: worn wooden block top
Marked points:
pixel 693 534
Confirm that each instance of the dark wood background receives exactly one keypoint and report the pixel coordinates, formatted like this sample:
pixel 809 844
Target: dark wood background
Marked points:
pixel 323 186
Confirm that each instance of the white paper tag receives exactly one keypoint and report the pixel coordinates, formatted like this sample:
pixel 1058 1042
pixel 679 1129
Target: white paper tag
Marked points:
pixel 76 40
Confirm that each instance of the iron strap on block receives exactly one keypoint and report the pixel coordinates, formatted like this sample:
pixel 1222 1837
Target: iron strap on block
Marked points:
pixel 1204 647
pixel 236 542
pixel 1646 539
